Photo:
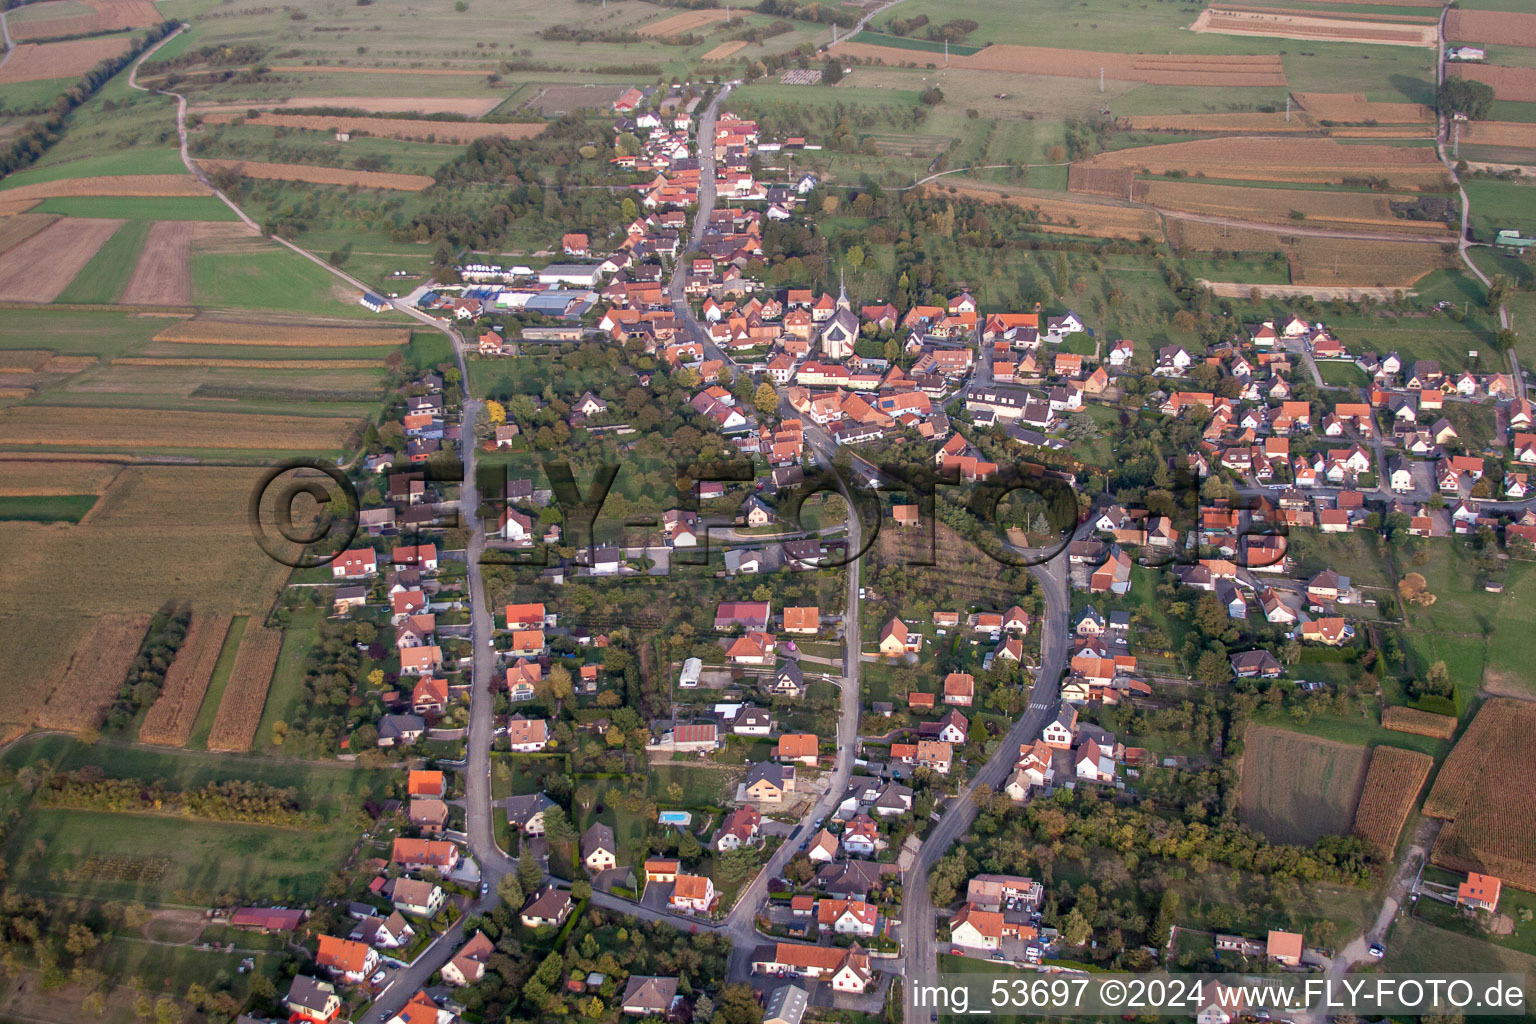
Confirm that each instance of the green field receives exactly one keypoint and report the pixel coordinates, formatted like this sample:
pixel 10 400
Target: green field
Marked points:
pixel 274 278
pixel 145 160
pixel 57 508
pixel 286 691
pixel 139 207
pixel 1501 204
pixel 103 279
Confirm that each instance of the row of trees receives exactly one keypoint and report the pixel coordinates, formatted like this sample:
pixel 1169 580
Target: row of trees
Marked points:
pixel 236 800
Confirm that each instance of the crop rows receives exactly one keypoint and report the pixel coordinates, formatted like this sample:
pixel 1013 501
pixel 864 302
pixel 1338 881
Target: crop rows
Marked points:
pixel 170 719
pixel 1487 792
pixel 233 332
pixel 1420 723
pixel 1392 784
pixel 246 693
pixel 95 673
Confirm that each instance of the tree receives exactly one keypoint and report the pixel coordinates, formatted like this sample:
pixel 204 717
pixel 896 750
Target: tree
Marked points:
pixel 855 257
pixel 628 210
pixel 738 1005
pixel 529 875
pixel 765 399
pixel 584 796
pixel 1167 917
pixel 688 848
pixel 703 1010
pixel 1075 929
pixel 496 412
pixel 557 826
pixel 1213 668
pixel 581 889
pixel 1464 96
pixel 1413 589
pixel 560 682
pixel 510 890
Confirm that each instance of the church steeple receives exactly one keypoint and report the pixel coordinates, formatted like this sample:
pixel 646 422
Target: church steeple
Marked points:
pixel 842 292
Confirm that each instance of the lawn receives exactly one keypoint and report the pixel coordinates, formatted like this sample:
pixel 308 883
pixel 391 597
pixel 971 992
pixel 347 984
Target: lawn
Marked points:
pixel 138 207
pixel 1419 947
pixel 76 853
pixel 57 508
pixel 701 786
pixel 103 279
pixel 1342 374
pixel 1422 337
pixel 216 684
pixel 274 278
pixel 1501 204
pixel 286 691
pixel 138 160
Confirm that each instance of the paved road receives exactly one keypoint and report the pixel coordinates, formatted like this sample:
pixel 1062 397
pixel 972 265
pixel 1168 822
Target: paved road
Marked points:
pixel 705 143
pixel 917 912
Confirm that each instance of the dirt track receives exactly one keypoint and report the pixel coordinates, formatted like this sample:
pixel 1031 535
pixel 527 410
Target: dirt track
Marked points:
pixel 162 277
pixel 40 268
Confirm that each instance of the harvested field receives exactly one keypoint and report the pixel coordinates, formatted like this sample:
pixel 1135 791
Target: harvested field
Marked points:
pixel 724 50
pixel 170 718
pixel 245 695
pixel 345 69
pixel 554 100
pixel 107 16
pixel 17 229
pixel 37 62
pixel 386 127
pixel 16 391
pixel 1363 210
pixel 298 335
pixel 1064 216
pixel 1266 123
pixel 1100 181
pixel 68 364
pixel 1154 69
pixel 41 477
pixel 96 671
pixel 369 104
pixel 162 277
pixel 1242 7
pixel 1255 22
pixel 1391 786
pixel 1302 160
pixel 681 24
pixel 1354 108
pixel 38 269
pixel 1298 788
pixel 1485 793
pixel 324 175
pixel 253 364
pixel 1517 134
pixel 1420 723
pixel 1504 27
pixel 173 185
pixel 1508 83
pixel 151 428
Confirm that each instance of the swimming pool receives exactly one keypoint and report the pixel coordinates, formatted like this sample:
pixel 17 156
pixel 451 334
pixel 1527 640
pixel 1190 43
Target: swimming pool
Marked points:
pixel 681 818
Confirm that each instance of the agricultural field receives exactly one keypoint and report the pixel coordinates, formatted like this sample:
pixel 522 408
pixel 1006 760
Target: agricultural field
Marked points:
pixel 1297 788
pixel 58 18
pixel 1514 84
pixel 172 715
pixel 1420 723
pixel 1391 788
pixel 1153 69
pixel 245 694
pixel 1292 23
pixel 1485 798
pixel 95 671
pixel 39 269
pixel 130 429
pixel 1298 160
pixel 105 276
pixel 1057 215
pixel 35 62
pixel 1346 210
pixel 323 175
pixel 385 127
pixel 162 273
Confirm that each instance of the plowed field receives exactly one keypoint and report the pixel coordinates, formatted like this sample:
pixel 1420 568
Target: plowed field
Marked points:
pixel 1505 27
pixel 38 269
pixel 162 277
pixel 296 335
pixel 324 175
pixel 680 24
pixel 1508 83
pixel 1253 22
pixel 1303 160
pixel 150 428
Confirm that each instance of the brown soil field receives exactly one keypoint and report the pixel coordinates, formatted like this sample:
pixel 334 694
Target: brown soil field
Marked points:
pixel 386 127
pixel 38 269
pixel 680 24
pixel 68 364
pixel 1392 785
pixel 109 16
pixel 371 104
pixel 150 428
pixel 1063 216
pixel 1349 209
pixel 1505 27
pixel 1155 69
pixel 16 391
pixel 1508 83
pixel 35 62
pixel 1485 793
pixel 1500 133
pixel 253 364
pixel 162 277
pixel 1100 181
pixel 23 360
pixel 17 229
pixel 724 50
pixel 234 727
pixel 108 185
pixel 1250 22
pixel 1420 723
pixel 324 175
pixel 1244 8
pixel 298 335
pixel 1219 123
pixel 79 699
pixel 342 69
pixel 1260 159
pixel 37 477
pixel 170 718
pixel 1354 108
